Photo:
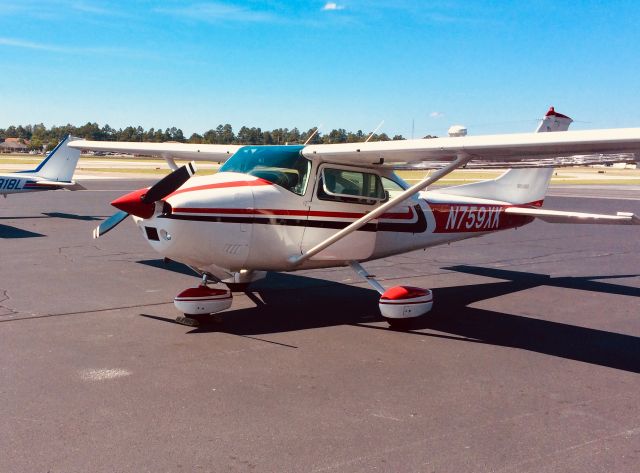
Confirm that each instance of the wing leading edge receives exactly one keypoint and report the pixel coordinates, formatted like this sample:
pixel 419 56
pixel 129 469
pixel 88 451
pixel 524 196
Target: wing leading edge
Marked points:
pixel 567 148
pixel 532 149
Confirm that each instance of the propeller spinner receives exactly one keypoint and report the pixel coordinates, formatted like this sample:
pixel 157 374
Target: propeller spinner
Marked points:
pixel 141 202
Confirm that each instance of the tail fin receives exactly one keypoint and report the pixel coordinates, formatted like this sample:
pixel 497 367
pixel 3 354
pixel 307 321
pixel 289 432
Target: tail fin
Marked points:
pixel 59 165
pixel 554 121
pixel 518 186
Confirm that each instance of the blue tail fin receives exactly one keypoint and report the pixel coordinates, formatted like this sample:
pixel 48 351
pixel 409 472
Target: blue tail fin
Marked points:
pixel 59 165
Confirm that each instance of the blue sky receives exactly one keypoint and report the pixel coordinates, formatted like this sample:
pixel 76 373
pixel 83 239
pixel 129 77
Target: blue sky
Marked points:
pixel 492 66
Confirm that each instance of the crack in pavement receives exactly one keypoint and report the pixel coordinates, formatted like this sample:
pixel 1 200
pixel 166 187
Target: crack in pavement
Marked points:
pixel 93 311
pixel 63 251
pixel 4 296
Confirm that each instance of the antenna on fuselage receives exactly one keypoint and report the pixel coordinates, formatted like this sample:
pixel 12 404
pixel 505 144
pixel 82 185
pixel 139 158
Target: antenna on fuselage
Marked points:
pixel 374 131
pixel 312 135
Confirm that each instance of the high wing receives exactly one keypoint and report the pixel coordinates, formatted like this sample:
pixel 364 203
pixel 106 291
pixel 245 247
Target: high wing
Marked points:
pixel 568 148
pixel 187 151
pixel 521 149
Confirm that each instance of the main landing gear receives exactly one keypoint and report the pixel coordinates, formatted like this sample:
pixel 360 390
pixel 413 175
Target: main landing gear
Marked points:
pixel 399 304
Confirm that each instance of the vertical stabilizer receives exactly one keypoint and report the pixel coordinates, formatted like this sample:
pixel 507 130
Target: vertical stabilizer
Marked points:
pixel 518 186
pixel 60 164
pixel 554 121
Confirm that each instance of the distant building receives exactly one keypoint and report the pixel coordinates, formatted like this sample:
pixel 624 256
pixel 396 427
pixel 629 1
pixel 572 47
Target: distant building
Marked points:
pixel 14 145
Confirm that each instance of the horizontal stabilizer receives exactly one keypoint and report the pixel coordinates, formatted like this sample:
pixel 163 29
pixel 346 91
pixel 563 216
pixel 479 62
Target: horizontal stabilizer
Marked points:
pixel 71 185
pixel 558 216
pixel 76 187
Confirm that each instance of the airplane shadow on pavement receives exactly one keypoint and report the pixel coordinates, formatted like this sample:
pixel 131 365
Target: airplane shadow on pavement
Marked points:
pixel 11 232
pixel 88 218
pixel 287 302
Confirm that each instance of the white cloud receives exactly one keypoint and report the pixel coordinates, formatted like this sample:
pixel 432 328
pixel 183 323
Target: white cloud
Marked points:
pixel 56 9
pixel 218 12
pixel 17 43
pixel 53 48
pixel 97 10
pixel 332 6
pixel 436 114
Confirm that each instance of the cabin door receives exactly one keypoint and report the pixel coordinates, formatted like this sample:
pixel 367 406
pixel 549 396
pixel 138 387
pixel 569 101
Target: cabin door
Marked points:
pixel 342 195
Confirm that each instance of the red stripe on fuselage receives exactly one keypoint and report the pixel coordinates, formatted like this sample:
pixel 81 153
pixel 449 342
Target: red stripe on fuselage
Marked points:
pixel 477 218
pixel 222 185
pixel 292 213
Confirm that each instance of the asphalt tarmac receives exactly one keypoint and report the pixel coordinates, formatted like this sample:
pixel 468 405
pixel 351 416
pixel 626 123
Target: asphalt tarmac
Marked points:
pixel 529 361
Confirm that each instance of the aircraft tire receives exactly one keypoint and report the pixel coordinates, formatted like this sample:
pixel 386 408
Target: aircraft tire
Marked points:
pixel 399 324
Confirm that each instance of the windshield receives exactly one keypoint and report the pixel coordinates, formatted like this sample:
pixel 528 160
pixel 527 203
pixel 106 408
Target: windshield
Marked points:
pixel 281 165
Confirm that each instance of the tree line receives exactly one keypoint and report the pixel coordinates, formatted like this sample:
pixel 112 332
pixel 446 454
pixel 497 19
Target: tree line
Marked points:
pixel 39 137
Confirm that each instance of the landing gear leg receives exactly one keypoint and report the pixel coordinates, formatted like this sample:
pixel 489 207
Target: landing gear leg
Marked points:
pixel 240 281
pixel 399 304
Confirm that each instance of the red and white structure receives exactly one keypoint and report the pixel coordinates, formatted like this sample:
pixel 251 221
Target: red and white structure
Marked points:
pixel 284 208
pixel 203 300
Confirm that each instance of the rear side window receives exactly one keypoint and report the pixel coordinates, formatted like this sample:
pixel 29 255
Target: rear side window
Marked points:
pixel 392 187
pixel 350 186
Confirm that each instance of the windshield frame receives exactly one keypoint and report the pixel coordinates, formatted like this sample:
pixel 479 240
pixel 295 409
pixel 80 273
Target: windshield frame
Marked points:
pixel 284 166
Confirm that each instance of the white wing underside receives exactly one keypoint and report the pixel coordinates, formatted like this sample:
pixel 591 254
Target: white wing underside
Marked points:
pixel 187 151
pixel 567 148
pixel 558 216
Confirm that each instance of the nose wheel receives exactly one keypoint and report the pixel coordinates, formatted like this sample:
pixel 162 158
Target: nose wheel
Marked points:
pixel 191 320
pixel 197 303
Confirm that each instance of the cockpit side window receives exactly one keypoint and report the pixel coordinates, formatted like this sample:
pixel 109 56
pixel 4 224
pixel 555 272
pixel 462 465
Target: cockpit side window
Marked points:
pixel 351 186
pixel 284 166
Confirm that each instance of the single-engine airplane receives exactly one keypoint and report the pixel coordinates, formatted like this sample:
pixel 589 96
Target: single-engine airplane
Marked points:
pixel 54 172
pixel 284 208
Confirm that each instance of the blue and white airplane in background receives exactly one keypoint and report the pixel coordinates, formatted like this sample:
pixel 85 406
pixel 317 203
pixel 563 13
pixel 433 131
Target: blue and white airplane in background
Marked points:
pixel 54 172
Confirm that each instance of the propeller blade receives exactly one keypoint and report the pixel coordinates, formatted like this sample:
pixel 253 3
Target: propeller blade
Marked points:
pixel 169 183
pixel 109 224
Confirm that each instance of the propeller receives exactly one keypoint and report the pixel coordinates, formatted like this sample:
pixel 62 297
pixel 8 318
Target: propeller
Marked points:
pixel 169 183
pixel 141 202
pixel 109 223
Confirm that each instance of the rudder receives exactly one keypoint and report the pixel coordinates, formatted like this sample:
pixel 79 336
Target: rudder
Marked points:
pixel 60 164
pixel 517 186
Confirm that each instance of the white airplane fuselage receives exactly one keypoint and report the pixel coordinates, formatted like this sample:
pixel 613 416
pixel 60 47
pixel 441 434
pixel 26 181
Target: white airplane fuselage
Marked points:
pixel 17 183
pixel 232 221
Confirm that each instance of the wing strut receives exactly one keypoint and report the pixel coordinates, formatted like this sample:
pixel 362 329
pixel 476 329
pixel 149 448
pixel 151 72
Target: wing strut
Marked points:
pixel 171 162
pixel 462 159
